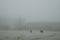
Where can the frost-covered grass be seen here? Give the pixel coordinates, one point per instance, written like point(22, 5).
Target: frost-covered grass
point(26, 35)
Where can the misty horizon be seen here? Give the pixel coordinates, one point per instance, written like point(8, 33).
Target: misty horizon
point(32, 10)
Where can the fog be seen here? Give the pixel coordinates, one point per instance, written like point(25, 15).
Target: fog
point(36, 15)
point(31, 10)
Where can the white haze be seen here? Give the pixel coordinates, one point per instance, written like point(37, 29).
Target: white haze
point(31, 10)
point(29, 19)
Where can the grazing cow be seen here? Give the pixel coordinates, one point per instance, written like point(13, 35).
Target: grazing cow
point(41, 31)
point(30, 31)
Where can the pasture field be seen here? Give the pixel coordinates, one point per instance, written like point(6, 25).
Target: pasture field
point(26, 35)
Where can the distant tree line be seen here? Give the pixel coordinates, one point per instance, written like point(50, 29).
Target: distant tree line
point(4, 24)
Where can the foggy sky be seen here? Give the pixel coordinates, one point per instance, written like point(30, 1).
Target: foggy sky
point(31, 10)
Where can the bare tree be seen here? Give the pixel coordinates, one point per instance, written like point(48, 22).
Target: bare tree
point(20, 24)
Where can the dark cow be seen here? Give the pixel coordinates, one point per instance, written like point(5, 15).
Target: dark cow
point(30, 31)
point(41, 31)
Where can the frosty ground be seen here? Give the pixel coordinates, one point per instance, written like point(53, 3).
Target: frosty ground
point(26, 35)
